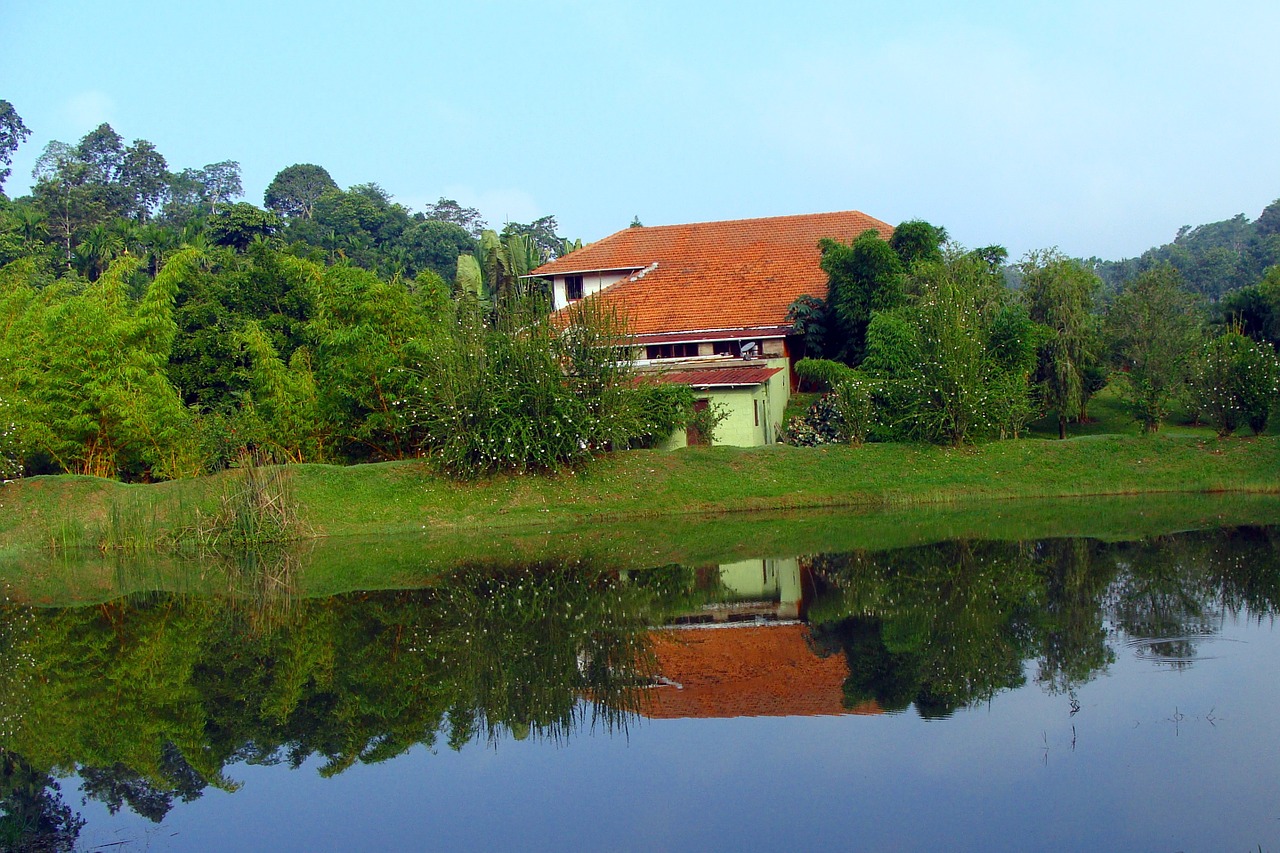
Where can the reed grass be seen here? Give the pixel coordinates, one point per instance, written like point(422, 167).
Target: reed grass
point(254, 507)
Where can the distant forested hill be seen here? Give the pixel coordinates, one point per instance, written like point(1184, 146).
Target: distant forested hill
point(1214, 259)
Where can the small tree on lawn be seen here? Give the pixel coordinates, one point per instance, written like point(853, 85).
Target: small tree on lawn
point(1154, 326)
point(1059, 293)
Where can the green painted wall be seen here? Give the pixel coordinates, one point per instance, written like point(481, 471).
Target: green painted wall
point(745, 405)
point(779, 394)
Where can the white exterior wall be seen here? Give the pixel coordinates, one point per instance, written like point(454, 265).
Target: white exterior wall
point(592, 282)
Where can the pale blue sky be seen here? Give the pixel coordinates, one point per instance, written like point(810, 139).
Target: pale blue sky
point(1099, 127)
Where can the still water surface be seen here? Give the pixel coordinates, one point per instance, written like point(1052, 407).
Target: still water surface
point(1061, 694)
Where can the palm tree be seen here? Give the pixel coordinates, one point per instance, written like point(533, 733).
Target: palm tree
point(504, 263)
point(157, 242)
point(96, 250)
point(130, 234)
point(30, 223)
point(396, 261)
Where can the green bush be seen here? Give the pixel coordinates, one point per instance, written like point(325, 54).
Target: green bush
point(706, 421)
point(663, 408)
point(822, 373)
point(527, 391)
point(843, 416)
point(1236, 382)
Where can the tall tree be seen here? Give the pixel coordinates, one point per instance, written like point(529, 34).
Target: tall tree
point(954, 361)
point(862, 277)
point(146, 175)
point(542, 233)
point(294, 190)
point(12, 134)
point(434, 245)
point(917, 240)
point(64, 194)
point(1154, 326)
point(221, 183)
point(239, 224)
point(448, 210)
point(1060, 294)
point(101, 150)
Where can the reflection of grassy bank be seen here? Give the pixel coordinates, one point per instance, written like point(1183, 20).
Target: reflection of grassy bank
point(403, 497)
point(339, 564)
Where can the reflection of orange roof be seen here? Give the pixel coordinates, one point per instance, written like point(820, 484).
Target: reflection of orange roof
point(741, 274)
point(746, 672)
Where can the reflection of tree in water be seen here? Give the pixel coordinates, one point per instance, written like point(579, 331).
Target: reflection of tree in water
point(1244, 564)
point(150, 698)
point(33, 817)
point(1070, 634)
point(1163, 599)
point(1172, 591)
point(941, 626)
point(950, 625)
point(119, 785)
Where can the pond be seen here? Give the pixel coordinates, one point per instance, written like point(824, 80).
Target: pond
point(1040, 693)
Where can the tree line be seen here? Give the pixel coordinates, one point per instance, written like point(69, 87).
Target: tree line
point(921, 339)
point(99, 198)
point(1213, 259)
point(154, 326)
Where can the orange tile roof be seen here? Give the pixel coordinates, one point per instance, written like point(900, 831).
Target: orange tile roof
point(740, 274)
point(746, 672)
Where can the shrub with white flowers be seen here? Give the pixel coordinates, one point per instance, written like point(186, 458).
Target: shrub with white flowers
point(1236, 382)
point(10, 461)
point(523, 391)
point(844, 416)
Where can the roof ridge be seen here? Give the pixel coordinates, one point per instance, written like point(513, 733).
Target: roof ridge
point(745, 219)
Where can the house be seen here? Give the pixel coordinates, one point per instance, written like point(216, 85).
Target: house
point(706, 305)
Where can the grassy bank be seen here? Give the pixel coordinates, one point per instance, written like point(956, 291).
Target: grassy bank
point(335, 565)
point(406, 497)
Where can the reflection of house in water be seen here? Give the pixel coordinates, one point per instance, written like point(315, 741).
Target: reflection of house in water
point(746, 655)
point(755, 590)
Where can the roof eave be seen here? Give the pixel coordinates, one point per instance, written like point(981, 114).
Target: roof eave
point(543, 272)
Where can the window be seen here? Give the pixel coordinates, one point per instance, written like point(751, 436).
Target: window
point(745, 349)
point(573, 287)
point(755, 406)
point(671, 351)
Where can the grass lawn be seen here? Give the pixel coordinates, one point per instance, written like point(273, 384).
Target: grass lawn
point(1108, 416)
point(406, 496)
